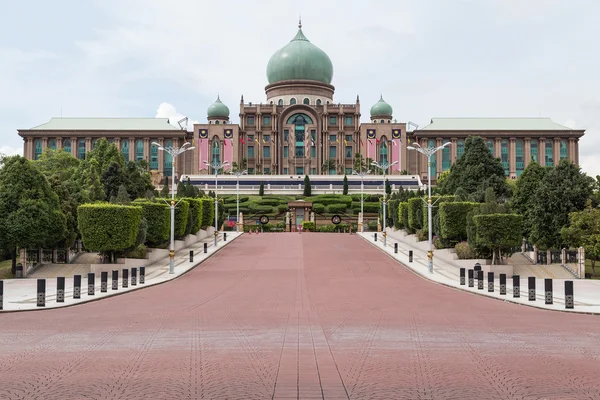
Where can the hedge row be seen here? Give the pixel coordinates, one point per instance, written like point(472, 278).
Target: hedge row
point(415, 213)
point(367, 207)
point(336, 208)
point(403, 215)
point(453, 220)
point(108, 227)
point(195, 215)
point(233, 199)
point(437, 201)
point(372, 198)
point(158, 218)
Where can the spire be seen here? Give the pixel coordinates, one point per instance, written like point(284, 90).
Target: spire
point(242, 100)
point(299, 21)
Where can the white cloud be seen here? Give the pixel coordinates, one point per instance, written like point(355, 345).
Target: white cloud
point(166, 110)
point(11, 151)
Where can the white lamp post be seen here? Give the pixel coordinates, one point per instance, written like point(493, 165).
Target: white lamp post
point(383, 166)
point(174, 152)
point(238, 173)
point(428, 152)
point(362, 174)
point(216, 167)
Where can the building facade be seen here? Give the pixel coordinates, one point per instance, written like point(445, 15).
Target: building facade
point(300, 130)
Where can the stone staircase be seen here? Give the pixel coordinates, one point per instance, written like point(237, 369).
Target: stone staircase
point(81, 266)
point(523, 266)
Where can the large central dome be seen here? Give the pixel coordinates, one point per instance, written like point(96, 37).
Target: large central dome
point(300, 60)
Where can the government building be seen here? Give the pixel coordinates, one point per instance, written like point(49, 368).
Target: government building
point(299, 129)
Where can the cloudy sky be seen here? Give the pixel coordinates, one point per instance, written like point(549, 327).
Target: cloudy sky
point(429, 58)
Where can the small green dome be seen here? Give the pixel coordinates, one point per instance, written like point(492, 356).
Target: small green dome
point(381, 108)
point(218, 110)
point(300, 59)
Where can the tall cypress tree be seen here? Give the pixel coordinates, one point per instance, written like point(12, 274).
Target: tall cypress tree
point(307, 186)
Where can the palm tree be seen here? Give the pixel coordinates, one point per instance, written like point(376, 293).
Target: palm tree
point(328, 165)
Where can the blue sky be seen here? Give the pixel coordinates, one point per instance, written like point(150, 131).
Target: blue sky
point(435, 58)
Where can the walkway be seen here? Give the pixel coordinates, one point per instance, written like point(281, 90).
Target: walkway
point(299, 316)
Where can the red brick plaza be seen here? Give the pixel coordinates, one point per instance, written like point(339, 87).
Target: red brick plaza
point(292, 316)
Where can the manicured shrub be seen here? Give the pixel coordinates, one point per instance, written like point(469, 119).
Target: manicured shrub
point(464, 251)
point(268, 202)
point(318, 208)
point(281, 208)
point(108, 227)
point(182, 210)
point(415, 213)
point(336, 208)
point(233, 199)
point(421, 235)
point(403, 215)
point(372, 225)
point(437, 201)
point(255, 207)
point(498, 233)
point(453, 220)
point(308, 226)
point(367, 207)
point(158, 218)
point(195, 219)
point(208, 212)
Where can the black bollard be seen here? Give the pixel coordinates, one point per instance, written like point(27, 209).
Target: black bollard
point(91, 283)
point(503, 284)
point(569, 295)
point(41, 293)
point(205, 248)
point(548, 290)
point(125, 278)
point(477, 267)
point(191, 255)
point(480, 280)
point(60, 289)
point(142, 275)
point(1, 294)
point(462, 276)
point(103, 281)
point(133, 276)
point(115, 280)
point(516, 286)
point(470, 274)
point(395, 247)
point(410, 256)
point(531, 287)
point(77, 286)
point(224, 236)
point(375, 236)
point(490, 282)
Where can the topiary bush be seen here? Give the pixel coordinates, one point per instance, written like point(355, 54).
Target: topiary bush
point(108, 227)
point(282, 208)
point(415, 213)
point(233, 199)
point(268, 202)
point(453, 220)
point(336, 208)
point(437, 201)
point(464, 251)
point(403, 215)
point(158, 218)
point(367, 207)
point(195, 215)
point(308, 226)
point(208, 212)
point(422, 235)
point(318, 208)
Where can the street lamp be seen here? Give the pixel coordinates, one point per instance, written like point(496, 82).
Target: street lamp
point(174, 152)
point(384, 166)
point(428, 152)
point(216, 167)
point(362, 174)
point(238, 173)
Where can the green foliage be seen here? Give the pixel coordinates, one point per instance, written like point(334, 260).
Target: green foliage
point(388, 187)
point(318, 208)
point(345, 187)
point(208, 212)
point(195, 219)
point(523, 195)
point(123, 196)
point(268, 202)
point(372, 225)
point(307, 186)
point(331, 228)
point(158, 217)
point(475, 171)
point(283, 208)
point(308, 226)
point(109, 227)
point(421, 235)
point(584, 230)
point(182, 210)
point(164, 191)
point(498, 233)
point(453, 219)
point(258, 208)
point(372, 208)
point(327, 199)
point(30, 211)
point(336, 208)
point(261, 189)
point(565, 189)
point(366, 197)
point(415, 213)
point(437, 201)
point(233, 199)
point(403, 215)
point(464, 251)
point(181, 190)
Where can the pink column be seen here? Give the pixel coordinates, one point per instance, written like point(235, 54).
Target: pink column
point(203, 154)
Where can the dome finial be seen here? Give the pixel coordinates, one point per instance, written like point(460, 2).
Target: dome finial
point(299, 21)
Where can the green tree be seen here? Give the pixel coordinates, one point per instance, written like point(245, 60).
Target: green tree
point(261, 189)
point(328, 166)
point(565, 189)
point(388, 187)
point(123, 196)
point(498, 233)
point(475, 171)
point(58, 163)
point(164, 192)
point(137, 179)
point(523, 196)
point(359, 162)
point(584, 230)
point(112, 179)
point(189, 189)
point(345, 188)
point(30, 211)
point(307, 186)
point(181, 192)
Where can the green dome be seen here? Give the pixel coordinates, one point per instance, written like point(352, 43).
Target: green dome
point(218, 110)
point(300, 59)
point(381, 108)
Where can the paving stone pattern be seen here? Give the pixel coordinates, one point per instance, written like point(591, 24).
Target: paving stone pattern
point(290, 316)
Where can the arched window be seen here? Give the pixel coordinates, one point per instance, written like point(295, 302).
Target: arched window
point(549, 153)
point(67, 145)
point(383, 150)
point(490, 145)
point(433, 166)
point(299, 133)
point(125, 149)
point(307, 120)
point(52, 144)
point(217, 122)
point(446, 157)
point(519, 159)
point(38, 149)
point(81, 149)
point(168, 159)
point(139, 150)
point(306, 101)
point(563, 149)
point(460, 148)
point(319, 102)
point(504, 155)
point(533, 150)
point(280, 102)
point(292, 101)
point(382, 121)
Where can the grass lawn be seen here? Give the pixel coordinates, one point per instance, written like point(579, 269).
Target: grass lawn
point(588, 268)
point(5, 269)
